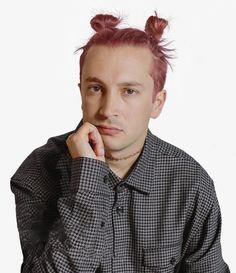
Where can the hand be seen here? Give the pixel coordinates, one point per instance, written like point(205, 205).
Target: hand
point(86, 142)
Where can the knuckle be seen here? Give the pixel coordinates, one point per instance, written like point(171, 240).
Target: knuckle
point(72, 137)
point(86, 123)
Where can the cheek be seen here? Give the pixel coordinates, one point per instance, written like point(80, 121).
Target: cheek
point(143, 109)
point(89, 105)
point(140, 108)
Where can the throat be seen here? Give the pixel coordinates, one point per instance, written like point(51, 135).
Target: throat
point(122, 168)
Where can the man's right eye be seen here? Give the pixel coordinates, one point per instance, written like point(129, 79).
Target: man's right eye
point(94, 88)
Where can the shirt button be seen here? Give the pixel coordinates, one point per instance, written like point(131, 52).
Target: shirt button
point(172, 260)
point(119, 188)
point(102, 224)
point(120, 209)
point(106, 179)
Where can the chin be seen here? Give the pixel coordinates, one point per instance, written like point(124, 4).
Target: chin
point(111, 146)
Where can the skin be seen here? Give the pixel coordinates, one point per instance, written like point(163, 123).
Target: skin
point(111, 102)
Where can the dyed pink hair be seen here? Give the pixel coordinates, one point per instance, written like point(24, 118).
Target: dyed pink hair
point(107, 34)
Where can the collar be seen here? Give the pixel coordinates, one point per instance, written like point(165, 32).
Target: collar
point(141, 176)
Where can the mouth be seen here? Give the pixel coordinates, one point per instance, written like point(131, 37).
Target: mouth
point(108, 127)
point(107, 130)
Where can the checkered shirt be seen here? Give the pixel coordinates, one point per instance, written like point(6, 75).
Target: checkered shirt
point(77, 215)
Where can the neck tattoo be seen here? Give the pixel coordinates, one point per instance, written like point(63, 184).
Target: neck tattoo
point(122, 158)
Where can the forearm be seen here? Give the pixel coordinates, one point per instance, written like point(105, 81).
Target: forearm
point(64, 235)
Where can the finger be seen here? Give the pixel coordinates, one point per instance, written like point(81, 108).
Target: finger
point(96, 139)
point(93, 135)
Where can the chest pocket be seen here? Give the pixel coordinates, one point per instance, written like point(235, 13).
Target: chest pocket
point(162, 259)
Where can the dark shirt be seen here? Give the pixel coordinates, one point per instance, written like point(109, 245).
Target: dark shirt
point(76, 215)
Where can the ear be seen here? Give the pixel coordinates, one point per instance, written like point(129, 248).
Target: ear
point(158, 103)
point(79, 85)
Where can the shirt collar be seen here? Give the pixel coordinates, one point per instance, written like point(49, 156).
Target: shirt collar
point(141, 177)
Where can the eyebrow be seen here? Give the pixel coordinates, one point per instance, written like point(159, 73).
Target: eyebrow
point(131, 83)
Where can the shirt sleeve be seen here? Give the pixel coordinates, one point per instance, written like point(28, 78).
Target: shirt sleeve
point(63, 234)
point(203, 247)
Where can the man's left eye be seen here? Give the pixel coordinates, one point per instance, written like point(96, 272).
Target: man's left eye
point(130, 91)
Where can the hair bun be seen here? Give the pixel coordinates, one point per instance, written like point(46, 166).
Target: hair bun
point(155, 26)
point(104, 21)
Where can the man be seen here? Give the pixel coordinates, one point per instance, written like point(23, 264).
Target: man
point(110, 196)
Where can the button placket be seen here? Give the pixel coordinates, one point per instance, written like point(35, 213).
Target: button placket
point(120, 191)
point(120, 224)
point(104, 205)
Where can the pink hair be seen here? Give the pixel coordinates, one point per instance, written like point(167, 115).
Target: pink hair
point(107, 34)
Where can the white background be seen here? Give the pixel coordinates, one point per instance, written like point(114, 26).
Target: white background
point(40, 98)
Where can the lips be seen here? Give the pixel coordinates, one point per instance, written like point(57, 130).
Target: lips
point(108, 127)
point(107, 130)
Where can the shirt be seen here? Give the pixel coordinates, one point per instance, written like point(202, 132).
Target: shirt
point(76, 215)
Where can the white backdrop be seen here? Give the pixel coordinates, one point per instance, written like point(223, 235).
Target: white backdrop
point(40, 98)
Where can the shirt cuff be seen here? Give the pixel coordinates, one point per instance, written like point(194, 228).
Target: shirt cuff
point(87, 174)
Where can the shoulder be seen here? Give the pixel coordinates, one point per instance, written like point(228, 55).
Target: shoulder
point(171, 151)
point(181, 169)
point(43, 156)
point(181, 177)
point(38, 174)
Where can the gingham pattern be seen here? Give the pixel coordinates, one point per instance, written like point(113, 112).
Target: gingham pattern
point(76, 215)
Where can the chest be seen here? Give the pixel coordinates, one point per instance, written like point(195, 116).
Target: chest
point(145, 231)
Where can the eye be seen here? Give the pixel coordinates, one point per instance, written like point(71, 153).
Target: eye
point(94, 88)
point(130, 91)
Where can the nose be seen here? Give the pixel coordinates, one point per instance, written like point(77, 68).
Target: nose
point(109, 105)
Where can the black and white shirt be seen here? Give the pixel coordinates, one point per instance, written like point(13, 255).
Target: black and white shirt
point(76, 215)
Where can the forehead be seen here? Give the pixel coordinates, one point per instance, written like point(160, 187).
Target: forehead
point(118, 60)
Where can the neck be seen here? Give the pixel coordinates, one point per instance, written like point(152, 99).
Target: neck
point(121, 162)
point(121, 166)
point(122, 158)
